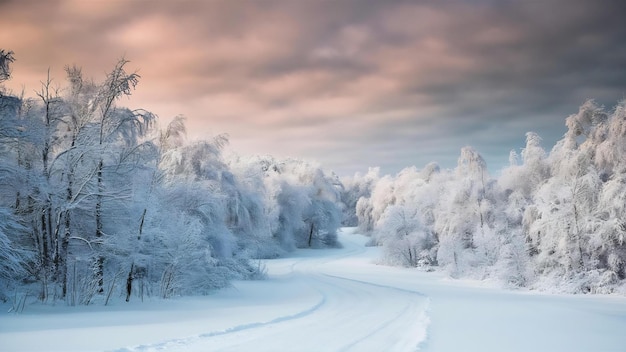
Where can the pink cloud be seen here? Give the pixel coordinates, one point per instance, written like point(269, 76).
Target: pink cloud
point(275, 72)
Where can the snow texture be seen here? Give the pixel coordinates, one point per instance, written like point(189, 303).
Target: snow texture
point(331, 300)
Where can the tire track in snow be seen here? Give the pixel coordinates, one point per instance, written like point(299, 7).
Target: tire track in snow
point(354, 318)
point(419, 340)
point(187, 340)
point(352, 315)
point(410, 317)
point(377, 285)
point(422, 320)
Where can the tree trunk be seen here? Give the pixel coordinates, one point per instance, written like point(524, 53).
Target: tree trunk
point(44, 241)
point(64, 254)
point(99, 227)
point(311, 235)
point(129, 282)
point(143, 217)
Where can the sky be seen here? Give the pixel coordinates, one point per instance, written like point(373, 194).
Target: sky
point(351, 84)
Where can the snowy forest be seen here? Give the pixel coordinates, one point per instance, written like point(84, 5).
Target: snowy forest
point(98, 202)
point(552, 220)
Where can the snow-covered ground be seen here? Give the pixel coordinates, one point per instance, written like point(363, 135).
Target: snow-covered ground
point(331, 300)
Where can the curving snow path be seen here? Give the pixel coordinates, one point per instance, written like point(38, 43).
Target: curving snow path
point(344, 315)
point(332, 300)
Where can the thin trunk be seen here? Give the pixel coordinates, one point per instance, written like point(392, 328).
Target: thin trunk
point(99, 227)
point(99, 202)
point(57, 248)
point(45, 152)
point(20, 166)
point(129, 282)
point(45, 96)
point(44, 242)
point(311, 235)
point(577, 229)
point(64, 253)
point(46, 145)
point(49, 228)
point(143, 217)
point(49, 249)
point(65, 241)
point(36, 236)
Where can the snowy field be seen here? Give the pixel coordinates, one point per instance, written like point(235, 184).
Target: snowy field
point(331, 300)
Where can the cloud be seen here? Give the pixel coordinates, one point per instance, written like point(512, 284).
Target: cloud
point(350, 83)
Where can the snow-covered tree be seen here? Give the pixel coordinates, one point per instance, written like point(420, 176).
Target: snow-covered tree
point(354, 188)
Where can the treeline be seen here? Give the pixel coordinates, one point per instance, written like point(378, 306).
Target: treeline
point(97, 202)
point(552, 220)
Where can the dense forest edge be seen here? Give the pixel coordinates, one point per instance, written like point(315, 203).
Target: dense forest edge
point(553, 221)
point(98, 203)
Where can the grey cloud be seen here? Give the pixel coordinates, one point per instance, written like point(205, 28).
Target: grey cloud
point(352, 83)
